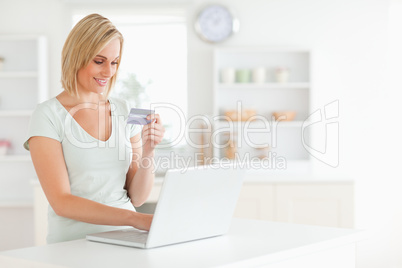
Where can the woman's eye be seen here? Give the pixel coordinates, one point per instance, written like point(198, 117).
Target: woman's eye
point(115, 63)
point(98, 62)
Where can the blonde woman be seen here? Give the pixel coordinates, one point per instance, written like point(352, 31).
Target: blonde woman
point(93, 167)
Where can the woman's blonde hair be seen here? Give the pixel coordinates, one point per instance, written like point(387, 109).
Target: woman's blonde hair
point(88, 37)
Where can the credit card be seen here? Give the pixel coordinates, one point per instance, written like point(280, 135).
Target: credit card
point(138, 116)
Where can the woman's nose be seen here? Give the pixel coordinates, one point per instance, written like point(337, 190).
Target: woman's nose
point(108, 70)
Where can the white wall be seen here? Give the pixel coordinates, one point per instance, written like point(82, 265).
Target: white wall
point(353, 63)
point(350, 44)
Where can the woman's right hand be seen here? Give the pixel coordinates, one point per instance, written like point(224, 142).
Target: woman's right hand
point(142, 221)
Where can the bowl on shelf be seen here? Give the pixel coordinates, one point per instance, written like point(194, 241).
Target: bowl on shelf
point(245, 114)
point(262, 151)
point(284, 115)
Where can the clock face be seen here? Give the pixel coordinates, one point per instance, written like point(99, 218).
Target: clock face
point(216, 23)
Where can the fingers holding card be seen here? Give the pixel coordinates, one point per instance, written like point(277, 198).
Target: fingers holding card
point(139, 116)
point(153, 130)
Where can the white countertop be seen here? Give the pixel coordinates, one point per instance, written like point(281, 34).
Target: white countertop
point(278, 179)
point(248, 243)
point(258, 178)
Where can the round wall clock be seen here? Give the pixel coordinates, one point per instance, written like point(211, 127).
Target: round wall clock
point(215, 23)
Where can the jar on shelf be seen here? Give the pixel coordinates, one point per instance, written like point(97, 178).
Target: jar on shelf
point(228, 75)
point(259, 75)
point(281, 74)
point(4, 146)
point(230, 149)
point(243, 76)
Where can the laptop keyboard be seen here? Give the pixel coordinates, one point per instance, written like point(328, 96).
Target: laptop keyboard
point(131, 235)
point(140, 237)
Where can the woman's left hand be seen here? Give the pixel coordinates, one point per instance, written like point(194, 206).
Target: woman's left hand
point(152, 134)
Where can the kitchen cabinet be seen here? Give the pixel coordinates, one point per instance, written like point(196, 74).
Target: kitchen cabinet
point(309, 202)
point(304, 201)
point(255, 202)
point(325, 204)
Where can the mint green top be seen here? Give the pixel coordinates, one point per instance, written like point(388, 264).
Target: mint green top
point(96, 169)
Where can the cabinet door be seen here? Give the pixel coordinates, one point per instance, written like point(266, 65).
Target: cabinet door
point(316, 204)
point(256, 201)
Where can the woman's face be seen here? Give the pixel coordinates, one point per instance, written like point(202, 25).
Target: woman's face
point(96, 75)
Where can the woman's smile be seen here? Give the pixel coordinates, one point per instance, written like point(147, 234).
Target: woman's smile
point(101, 82)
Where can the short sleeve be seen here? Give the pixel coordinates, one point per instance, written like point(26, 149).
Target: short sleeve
point(42, 123)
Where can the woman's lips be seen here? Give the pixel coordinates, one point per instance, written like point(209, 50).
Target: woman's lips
point(101, 82)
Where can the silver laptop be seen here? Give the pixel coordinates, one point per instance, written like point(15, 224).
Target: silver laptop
point(193, 204)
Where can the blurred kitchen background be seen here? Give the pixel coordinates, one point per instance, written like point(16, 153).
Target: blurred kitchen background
point(338, 61)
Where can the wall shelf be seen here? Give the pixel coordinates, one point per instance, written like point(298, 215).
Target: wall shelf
point(246, 86)
point(262, 96)
point(18, 74)
point(23, 84)
point(259, 123)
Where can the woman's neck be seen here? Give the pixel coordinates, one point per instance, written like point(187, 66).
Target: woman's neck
point(71, 100)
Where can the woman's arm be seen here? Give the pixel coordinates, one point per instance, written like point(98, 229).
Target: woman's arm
point(48, 159)
point(140, 176)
